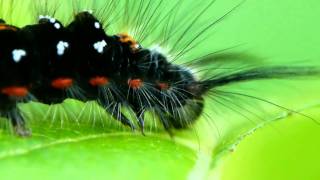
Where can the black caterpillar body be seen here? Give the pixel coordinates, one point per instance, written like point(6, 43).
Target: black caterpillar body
point(49, 63)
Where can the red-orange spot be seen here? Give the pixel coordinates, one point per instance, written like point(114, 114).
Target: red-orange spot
point(125, 38)
point(7, 27)
point(62, 83)
point(163, 86)
point(99, 81)
point(135, 83)
point(16, 91)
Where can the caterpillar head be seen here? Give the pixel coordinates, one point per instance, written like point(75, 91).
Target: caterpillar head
point(148, 64)
point(182, 103)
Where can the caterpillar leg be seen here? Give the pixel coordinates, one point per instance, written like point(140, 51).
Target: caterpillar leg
point(181, 117)
point(118, 115)
point(140, 117)
point(18, 123)
point(190, 111)
point(124, 120)
point(164, 119)
point(112, 104)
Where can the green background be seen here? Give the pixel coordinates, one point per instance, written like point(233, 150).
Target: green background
point(282, 31)
point(222, 144)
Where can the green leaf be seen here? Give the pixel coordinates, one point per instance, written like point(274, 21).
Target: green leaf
point(99, 156)
point(88, 151)
point(286, 149)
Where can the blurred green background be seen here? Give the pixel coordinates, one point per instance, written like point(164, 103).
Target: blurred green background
point(221, 145)
point(286, 32)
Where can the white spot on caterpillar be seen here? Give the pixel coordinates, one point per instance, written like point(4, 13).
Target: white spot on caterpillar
point(51, 19)
point(44, 17)
point(17, 54)
point(57, 25)
point(61, 47)
point(97, 25)
point(137, 46)
point(88, 11)
point(99, 46)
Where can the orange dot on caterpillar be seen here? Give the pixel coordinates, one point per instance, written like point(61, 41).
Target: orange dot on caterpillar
point(99, 81)
point(62, 83)
point(163, 86)
point(125, 38)
point(15, 91)
point(7, 27)
point(135, 83)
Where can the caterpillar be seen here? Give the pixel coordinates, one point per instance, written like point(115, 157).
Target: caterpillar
point(49, 62)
